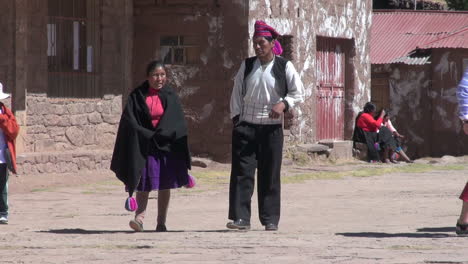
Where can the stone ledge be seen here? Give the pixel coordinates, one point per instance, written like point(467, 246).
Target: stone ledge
point(63, 162)
point(74, 161)
point(329, 150)
point(340, 149)
point(312, 148)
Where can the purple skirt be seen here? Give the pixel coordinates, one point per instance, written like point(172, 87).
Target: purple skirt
point(163, 171)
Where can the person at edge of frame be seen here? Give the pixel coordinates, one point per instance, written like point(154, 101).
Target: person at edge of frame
point(462, 95)
point(9, 130)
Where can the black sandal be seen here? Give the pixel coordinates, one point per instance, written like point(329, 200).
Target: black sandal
point(462, 229)
point(161, 228)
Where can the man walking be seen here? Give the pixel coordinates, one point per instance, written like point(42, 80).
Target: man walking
point(265, 87)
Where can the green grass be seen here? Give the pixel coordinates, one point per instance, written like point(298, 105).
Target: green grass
point(211, 177)
point(302, 177)
point(42, 190)
point(367, 172)
point(67, 216)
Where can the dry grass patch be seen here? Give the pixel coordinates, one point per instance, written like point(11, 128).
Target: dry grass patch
point(367, 172)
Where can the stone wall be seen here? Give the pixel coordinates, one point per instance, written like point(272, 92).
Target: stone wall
point(63, 162)
point(69, 135)
point(68, 124)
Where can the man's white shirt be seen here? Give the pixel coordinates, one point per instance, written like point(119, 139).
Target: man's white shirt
point(262, 92)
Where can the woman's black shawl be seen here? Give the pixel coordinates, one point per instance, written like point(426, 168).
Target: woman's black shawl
point(137, 138)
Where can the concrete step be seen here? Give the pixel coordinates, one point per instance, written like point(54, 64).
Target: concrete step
point(328, 150)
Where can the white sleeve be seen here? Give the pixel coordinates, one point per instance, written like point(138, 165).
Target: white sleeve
point(390, 126)
point(462, 95)
point(295, 87)
point(236, 95)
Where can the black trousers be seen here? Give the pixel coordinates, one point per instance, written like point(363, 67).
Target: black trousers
point(3, 190)
point(256, 147)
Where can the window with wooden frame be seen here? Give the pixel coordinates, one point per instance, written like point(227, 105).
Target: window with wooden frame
point(179, 50)
point(73, 48)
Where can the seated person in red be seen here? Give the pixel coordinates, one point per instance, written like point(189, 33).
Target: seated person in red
point(366, 130)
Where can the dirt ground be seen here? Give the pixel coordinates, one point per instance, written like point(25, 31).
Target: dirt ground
point(331, 213)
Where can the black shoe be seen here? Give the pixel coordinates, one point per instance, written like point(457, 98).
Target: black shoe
point(161, 228)
point(239, 224)
point(271, 227)
point(461, 229)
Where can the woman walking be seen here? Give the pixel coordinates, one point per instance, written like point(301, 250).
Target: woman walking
point(151, 150)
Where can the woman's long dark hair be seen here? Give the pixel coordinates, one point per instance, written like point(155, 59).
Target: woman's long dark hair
point(154, 65)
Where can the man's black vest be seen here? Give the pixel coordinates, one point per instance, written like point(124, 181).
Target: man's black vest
point(279, 72)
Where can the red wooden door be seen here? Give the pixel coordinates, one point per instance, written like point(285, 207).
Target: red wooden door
point(330, 89)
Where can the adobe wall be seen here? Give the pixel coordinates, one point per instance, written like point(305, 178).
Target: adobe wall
point(204, 88)
point(410, 105)
point(424, 105)
point(7, 28)
point(447, 69)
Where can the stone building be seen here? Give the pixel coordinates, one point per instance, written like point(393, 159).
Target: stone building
point(418, 58)
point(71, 63)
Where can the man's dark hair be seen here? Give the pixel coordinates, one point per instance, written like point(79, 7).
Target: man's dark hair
point(369, 107)
point(270, 39)
point(154, 65)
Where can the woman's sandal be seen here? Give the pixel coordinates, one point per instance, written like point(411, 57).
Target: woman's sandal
point(462, 229)
point(135, 225)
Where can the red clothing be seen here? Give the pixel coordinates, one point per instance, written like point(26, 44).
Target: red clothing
point(367, 122)
point(464, 194)
point(10, 129)
point(155, 106)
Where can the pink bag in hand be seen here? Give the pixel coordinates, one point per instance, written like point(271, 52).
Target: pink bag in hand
point(191, 182)
point(131, 204)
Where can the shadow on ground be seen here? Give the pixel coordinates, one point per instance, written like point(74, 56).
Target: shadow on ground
point(425, 232)
point(93, 232)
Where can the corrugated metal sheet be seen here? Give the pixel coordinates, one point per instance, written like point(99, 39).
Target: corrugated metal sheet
point(412, 61)
point(456, 40)
point(417, 57)
point(396, 33)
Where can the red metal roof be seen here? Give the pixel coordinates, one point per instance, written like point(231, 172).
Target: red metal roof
point(458, 39)
point(394, 33)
